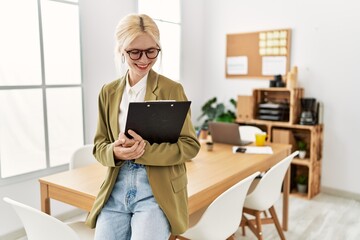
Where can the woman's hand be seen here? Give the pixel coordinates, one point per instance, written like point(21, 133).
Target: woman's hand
point(129, 149)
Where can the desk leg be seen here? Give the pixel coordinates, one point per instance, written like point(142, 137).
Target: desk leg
point(286, 192)
point(44, 198)
point(172, 237)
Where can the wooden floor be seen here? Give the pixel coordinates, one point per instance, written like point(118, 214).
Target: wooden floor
point(323, 217)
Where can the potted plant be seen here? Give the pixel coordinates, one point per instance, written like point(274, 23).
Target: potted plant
point(301, 183)
point(302, 146)
point(214, 111)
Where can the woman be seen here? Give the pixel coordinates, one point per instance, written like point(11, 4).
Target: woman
point(144, 195)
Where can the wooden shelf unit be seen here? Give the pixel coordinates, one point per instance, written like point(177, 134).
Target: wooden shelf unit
point(292, 132)
point(279, 96)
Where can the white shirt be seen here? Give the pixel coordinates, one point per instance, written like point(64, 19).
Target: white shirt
point(135, 93)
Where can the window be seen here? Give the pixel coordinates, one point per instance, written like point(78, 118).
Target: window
point(166, 14)
point(40, 85)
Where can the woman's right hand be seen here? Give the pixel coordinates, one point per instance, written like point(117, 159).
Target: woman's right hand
point(129, 149)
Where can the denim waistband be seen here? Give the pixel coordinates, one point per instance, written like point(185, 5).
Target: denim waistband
point(133, 165)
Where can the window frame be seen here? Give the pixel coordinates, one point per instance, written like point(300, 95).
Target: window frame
point(4, 181)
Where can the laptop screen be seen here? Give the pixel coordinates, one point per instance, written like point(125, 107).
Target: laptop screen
point(228, 133)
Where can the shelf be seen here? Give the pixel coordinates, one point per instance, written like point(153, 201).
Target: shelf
point(302, 162)
point(274, 89)
point(300, 195)
point(279, 97)
point(276, 124)
point(289, 132)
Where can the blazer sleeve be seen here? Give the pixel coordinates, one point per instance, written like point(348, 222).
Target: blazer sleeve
point(103, 141)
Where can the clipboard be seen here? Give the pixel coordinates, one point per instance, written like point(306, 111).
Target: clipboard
point(157, 121)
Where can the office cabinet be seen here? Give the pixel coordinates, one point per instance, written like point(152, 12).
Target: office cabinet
point(290, 132)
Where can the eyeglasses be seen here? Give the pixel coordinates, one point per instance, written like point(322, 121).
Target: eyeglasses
point(136, 54)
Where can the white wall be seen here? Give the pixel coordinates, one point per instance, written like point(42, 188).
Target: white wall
point(326, 49)
point(192, 53)
point(98, 23)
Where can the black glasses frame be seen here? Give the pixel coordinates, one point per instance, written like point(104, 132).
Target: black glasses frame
point(146, 51)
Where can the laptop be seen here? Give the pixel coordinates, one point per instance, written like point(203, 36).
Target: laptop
point(228, 133)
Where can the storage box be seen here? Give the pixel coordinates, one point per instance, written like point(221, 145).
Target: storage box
point(284, 136)
point(244, 108)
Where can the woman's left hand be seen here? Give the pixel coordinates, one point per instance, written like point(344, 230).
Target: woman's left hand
point(127, 149)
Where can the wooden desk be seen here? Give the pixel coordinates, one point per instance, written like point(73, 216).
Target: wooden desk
point(209, 174)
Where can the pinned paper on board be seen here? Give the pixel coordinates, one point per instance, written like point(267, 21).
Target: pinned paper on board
point(237, 65)
point(274, 65)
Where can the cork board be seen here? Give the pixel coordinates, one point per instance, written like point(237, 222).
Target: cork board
point(261, 54)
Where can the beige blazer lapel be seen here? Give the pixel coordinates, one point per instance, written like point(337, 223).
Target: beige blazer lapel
point(151, 86)
point(114, 105)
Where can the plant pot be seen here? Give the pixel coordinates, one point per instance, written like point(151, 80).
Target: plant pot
point(301, 188)
point(209, 146)
point(302, 154)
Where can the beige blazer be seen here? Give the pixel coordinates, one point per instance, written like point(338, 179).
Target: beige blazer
point(165, 162)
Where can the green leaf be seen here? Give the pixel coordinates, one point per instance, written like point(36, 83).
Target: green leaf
point(217, 112)
point(301, 179)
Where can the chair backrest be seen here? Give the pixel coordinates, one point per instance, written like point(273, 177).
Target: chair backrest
point(41, 226)
point(82, 157)
point(247, 133)
point(268, 189)
point(222, 218)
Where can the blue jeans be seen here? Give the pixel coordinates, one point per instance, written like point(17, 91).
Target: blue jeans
point(131, 211)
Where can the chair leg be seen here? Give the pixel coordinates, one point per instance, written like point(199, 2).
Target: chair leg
point(179, 238)
point(243, 230)
point(243, 223)
point(253, 224)
point(231, 237)
point(276, 222)
point(258, 225)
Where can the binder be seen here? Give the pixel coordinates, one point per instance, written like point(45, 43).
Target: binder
point(157, 121)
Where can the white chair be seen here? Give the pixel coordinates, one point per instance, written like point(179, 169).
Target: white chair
point(263, 196)
point(82, 157)
point(41, 226)
point(222, 217)
point(247, 133)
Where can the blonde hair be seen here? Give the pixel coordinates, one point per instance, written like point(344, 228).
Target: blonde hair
point(132, 26)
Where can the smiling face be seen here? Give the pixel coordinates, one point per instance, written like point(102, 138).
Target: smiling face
point(139, 68)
